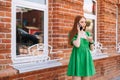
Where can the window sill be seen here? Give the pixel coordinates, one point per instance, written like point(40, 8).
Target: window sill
point(99, 56)
point(27, 67)
point(109, 57)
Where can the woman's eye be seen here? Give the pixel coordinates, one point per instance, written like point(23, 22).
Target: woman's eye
point(82, 22)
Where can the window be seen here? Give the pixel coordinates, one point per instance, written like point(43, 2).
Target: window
point(30, 36)
point(90, 13)
point(29, 27)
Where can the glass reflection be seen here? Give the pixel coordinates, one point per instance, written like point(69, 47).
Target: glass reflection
point(89, 6)
point(29, 29)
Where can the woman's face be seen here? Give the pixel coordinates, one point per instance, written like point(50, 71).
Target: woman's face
point(83, 22)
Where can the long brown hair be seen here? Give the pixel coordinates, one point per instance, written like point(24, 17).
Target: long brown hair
point(74, 30)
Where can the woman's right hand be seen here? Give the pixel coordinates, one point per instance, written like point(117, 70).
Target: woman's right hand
point(79, 31)
point(90, 39)
point(78, 28)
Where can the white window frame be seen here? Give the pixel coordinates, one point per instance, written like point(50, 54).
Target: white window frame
point(32, 5)
point(94, 17)
point(95, 54)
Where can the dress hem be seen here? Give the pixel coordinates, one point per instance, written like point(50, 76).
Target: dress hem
point(81, 75)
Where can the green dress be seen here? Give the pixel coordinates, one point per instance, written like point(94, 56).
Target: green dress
point(81, 62)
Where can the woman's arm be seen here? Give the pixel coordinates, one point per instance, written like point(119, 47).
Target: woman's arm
point(90, 39)
point(76, 42)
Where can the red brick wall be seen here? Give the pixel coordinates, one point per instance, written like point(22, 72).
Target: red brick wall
point(107, 69)
point(61, 17)
point(5, 33)
point(107, 23)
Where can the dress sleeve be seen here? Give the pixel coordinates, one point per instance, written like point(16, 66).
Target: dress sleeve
point(88, 34)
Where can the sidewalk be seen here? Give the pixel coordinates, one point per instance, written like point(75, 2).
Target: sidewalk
point(117, 78)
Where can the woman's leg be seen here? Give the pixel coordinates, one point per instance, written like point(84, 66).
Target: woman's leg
point(76, 78)
point(85, 78)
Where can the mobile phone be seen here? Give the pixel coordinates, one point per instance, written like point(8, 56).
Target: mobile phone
point(80, 26)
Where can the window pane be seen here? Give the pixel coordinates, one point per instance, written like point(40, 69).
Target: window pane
point(38, 1)
point(90, 26)
point(29, 29)
point(89, 6)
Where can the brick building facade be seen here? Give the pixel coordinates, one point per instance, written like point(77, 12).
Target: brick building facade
point(61, 14)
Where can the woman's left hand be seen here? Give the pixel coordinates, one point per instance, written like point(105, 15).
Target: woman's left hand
point(89, 38)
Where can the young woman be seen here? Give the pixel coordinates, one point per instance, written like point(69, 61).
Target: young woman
point(81, 65)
